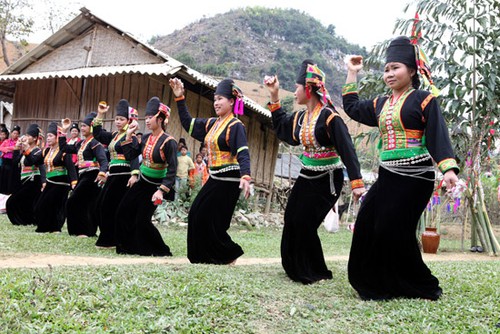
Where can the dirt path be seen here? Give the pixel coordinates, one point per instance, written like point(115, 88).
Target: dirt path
point(17, 260)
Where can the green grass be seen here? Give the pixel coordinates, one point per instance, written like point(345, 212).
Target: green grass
point(264, 242)
point(242, 299)
point(187, 298)
point(255, 243)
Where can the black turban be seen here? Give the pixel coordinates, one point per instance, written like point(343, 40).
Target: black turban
point(401, 50)
point(52, 128)
point(301, 75)
point(89, 118)
point(122, 108)
point(33, 130)
point(225, 88)
point(74, 126)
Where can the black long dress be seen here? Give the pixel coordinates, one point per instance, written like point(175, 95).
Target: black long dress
point(80, 207)
point(136, 233)
point(327, 147)
point(116, 184)
point(385, 260)
point(50, 209)
point(210, 214)
point(32, 174)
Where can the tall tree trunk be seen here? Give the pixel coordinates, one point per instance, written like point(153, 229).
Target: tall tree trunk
point(3, 41)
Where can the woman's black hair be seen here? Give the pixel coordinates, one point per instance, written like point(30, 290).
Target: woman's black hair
point(415, 81)
point(162, 117)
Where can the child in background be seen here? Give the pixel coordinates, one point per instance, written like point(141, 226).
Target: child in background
point(184, 166)
point(200, 171)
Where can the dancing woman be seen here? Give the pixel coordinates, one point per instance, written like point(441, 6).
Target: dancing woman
point(385, 260)
point(28, 156)
point(327, 148)
point(119, 177)
point(136, 233)
point(50, 209)
point(92, 167)
point(229, 163)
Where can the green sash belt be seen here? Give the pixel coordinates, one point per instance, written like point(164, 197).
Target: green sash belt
point(403, 153)
point(119, 162)
point(29, 174)
point(55, 173)
point(319, 162)
point(153, 173)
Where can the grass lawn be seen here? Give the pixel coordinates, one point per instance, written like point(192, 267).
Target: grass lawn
point(185, 298)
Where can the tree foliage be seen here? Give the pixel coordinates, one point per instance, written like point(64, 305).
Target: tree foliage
point(55, 14)
point(463, 40)
point(13, 23)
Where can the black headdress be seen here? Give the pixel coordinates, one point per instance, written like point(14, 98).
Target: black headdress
point(52, 128)
point(89, 118)
point(154, 107)
point(230, 90)
point(122, 108)
point(401, 50)
point(33, 130)
point(225, 88)
point(301, 75)
point(74, 126)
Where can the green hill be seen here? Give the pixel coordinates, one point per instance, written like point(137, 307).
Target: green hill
point(247, 44)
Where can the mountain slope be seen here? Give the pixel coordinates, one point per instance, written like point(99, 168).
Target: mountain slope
point(249, 43)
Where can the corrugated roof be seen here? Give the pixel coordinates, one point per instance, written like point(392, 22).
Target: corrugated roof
point(82, 23)
point(150, 69)
point(74, 28)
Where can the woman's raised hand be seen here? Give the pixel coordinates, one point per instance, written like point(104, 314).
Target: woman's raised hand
point(65, 124)
point(355, 63)
point(272, 83)
point(177, 86)
point(132, 127)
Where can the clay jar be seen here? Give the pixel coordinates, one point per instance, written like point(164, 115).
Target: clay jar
point(430, 240)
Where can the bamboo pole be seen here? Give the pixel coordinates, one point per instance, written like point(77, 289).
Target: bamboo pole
point(495, 246)
point(464, 222)
point(486, 225)
point(480, 235)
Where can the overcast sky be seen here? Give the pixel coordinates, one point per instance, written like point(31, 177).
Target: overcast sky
point(363, 22)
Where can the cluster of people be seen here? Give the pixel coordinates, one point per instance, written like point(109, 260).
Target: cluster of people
point(190, 172)
point(117, 195)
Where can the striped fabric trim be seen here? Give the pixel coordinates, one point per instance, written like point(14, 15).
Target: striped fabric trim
point(242, 148)
point(375, 104)
point(426, 101)
point(447, 164)
point(358, 183)
point(274, 106)
point(350, 88)
point(294, 125)
point(329, 119)
point(191, 126)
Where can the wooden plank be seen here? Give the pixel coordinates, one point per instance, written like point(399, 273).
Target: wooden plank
point(134, 91)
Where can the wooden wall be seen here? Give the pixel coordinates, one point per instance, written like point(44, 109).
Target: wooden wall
point(43, 101)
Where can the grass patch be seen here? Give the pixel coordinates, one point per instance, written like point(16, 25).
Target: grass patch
point(244, 299)
point(185, 298)
point(255, 243)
